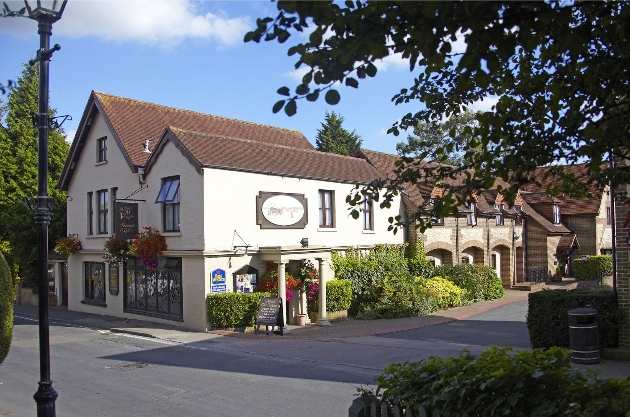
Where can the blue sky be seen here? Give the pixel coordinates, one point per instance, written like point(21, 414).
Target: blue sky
point(191, 55)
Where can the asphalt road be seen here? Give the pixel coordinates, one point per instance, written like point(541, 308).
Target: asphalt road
point(101, 374)
point(503, 326)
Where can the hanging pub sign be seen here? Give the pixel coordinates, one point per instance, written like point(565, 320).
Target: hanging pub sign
point(218, 283)
point(125, 220)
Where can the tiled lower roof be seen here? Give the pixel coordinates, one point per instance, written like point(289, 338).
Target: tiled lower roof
point(216, 151)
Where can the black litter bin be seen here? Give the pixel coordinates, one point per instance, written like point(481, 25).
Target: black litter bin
point(583, 336)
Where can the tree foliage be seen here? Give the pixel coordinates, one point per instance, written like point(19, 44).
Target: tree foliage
point(451, 135)
point(6, 308)
point(333, 138)
point(557, 70)
point(18, 174)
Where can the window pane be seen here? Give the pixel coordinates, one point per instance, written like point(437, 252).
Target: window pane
point(170, 195)
point(163, 190)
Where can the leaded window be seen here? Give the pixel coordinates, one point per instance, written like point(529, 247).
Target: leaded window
point(368, 221)
point(156, 292)
point(94, 273)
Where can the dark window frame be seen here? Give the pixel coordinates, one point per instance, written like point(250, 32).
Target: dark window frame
point(91, 293)
point(169, 197)
point(90, 213)
point(101, 150)
point(103, 211)
point(147, 282)
point(499, 217)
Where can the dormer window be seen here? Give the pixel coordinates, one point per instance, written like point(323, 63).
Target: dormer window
point(437, 205)
point(499, 217)
point(169, 197)
point(556, 214)
point(101, 150)
point(471, 218)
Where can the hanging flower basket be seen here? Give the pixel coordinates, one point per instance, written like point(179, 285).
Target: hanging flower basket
point(116, 250)
point(67, 246)
point(148, 246)
point(268, 282)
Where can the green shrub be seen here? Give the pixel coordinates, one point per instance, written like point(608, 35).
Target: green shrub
point(6, 308)
point(480, 281)
point(445, 293)
point(548, 318)
point(417, 262)
point(233, 310)
point(400, 296)
point(500, 382)
point(338, 296)
point(592, 268)
point(367, 271)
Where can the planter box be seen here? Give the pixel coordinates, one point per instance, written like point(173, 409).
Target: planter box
point(330, 316)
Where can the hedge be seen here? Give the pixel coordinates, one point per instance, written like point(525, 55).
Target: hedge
point(6, 308)
point(338, 296)
point(592, 268)
point(233, 310)
point(548, 318)
point(500, 382)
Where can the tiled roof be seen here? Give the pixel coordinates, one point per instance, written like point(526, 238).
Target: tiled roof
point(134, 121)
point(216, 151)
point(588, 205)
point(551, 227)
point(386, 163)
point(567, 242)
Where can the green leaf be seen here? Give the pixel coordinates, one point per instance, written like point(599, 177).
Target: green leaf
point(313, 96)
point(351, 82)
point(332, 97)
point(284, 91)
point(291, 108)
point(278, 106)
point(302, 89)
point(370, 70)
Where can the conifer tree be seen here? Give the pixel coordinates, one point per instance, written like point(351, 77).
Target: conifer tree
point(18, 171)
point(333, 138)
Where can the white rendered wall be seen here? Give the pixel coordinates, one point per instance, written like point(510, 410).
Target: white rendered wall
point(230, 204)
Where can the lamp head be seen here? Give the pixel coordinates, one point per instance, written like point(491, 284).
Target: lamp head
point(304, 242)
point(47, 10)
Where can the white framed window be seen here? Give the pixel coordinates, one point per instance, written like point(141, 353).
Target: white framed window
point(556, 214)
point(471, 218)
point(499, 217)
point(326, 208)
point(368, 220)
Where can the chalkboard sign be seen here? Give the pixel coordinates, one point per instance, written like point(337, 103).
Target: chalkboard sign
point(270, 314)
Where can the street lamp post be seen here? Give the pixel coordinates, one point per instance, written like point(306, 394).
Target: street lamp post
point(46, 14)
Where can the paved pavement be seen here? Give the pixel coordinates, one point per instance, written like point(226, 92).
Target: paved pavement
point(356, 330)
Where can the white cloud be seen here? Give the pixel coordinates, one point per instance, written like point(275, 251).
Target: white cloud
point(298, 74)
point(168, 22)
point(70, 135)
point(395, 62)
point(484, 104)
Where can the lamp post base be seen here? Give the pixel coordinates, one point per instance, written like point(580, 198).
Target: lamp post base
point(45, 398)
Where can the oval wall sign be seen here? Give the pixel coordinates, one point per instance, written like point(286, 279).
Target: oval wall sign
point(282, 210)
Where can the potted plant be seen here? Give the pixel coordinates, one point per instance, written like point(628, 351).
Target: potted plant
point(116, 250)
point(67, 246)
point(148, 245)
